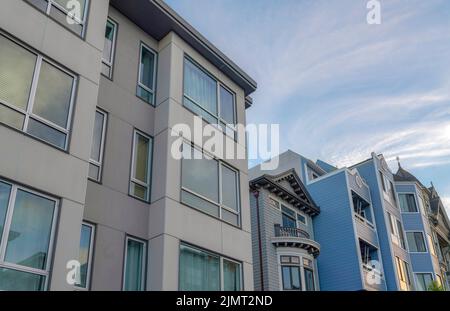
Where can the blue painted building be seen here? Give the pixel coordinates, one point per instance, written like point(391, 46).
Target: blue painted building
point(427, 237)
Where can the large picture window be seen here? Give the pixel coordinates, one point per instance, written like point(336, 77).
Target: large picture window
point(147, 75)
point(210, 185)
point(64, 11)
point(27, 223)
point(208, 98)
point(408, 203)
point(36, 95)
point(204, 271)
point(141, 166)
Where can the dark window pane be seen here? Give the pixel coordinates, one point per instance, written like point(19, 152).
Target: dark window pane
point(309, 279)
point(231, 276)
point(47, 133)
point(227, 106)
point(229, 188)
point(13, 280)
point(147, 68)
point(145, 95)
point(84, 254)
point(286, 275)
point(295, 275)
point(142, 158)
point(135, 266)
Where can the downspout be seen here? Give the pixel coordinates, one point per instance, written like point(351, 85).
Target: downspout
point(261, 272)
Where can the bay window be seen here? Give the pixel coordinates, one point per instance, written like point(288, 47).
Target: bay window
point(408, 203)
point(36, 96)
point(297, 273)
point(108, 49)
point(141, 166)
point(98, 146)
point(147, 75)
point(135, 265)
point(210, 185)
point(208, 98)
point(27, 223)
point(71, 15)
point(205, 271)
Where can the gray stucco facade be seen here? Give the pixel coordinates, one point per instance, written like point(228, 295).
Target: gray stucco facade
point(163, 223)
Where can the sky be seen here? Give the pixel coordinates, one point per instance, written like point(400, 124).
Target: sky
point(341, 88)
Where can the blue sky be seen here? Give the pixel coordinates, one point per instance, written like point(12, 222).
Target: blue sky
point(338, 87)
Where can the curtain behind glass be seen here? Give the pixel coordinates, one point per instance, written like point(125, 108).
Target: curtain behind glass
point(199, 271)
point(231, 276)
point(200, 87)
point(29, 235)
point(134, 266)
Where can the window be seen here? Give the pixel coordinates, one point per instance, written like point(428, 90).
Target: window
point(135, 265)
point(400, 234)
point(383, 184)
point(108, 49)
point(407, 203)
point(210, 185)
point(98, 146)
point(208, 98)
point(27, 226)
point(424, 280)
point(85, 254)
point(147, 75)
point(66, 13)
point(416, 242)
point(361, 208)
point(291, 218)
point(431, 245)
point(296, 271)
point(141, 166)
point(204, 271)
point(403, 274)
point(36, 96)
point(397, 234)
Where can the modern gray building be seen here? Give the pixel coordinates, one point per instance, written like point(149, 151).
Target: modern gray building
point(90, 96)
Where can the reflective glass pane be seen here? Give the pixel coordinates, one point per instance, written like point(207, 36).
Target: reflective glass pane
point(5, 191)
point(31, 227)
point(201, 175)
point(309, 279)
point(201, 204)
point(61, 17)
point(13, 280)
point(53, 95)
point(139, 191)
point(147, 68)
point(68, 6)
point(11, 117)
point(227, 106)
point(141, 158)
point(97, 137)
point(40, 4)
point(423, 281)
point(45, 132)
point(16, 73)
point(199, 271)
point(145, 95)
point(200, 87)
point(231, 276)
point(199, 111)
point(135, 265)
point(84, 254)
point(230, 196)
point(106, 70)
point(94, 171)
point(295, 275)
point(286, 275)
point(230, 217)
point(109, 41)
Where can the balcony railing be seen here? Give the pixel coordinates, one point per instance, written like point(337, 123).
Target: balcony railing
point(290, 232)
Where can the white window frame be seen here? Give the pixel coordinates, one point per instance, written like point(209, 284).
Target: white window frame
point(415, 199)
point(28, 113)
point(142, 46)
point(99, 164)
point(301, 268)
point(144, 262)
point(150, 167)
point(424, 241)
point(219, 84)
point(362, 219)
point(395, 235)
point(91, 251)
point(7, 225)
point(110, 63)
point(281, 203)
point(220, 203)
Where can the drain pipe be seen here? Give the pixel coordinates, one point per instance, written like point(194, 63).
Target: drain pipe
point(261, 271)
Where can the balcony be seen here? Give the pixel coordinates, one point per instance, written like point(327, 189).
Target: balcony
point(295, 237)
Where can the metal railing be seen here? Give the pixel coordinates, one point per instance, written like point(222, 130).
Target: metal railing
point(290, 232)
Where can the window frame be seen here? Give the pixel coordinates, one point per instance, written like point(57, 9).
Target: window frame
point(142, 46)
point(423, 239)
point(90, 257)
point(110, 64)
point(133, 179)
point(302, 267)
point(396, 236)
point(280, 208)
point(423, 273)
point(28, 112)
point(219, 84)
point(415, 201)
point(53, 4)
point(213, 254)
point(144, 262)
point(219, 204)
point(102, 147)
point(46, 273)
